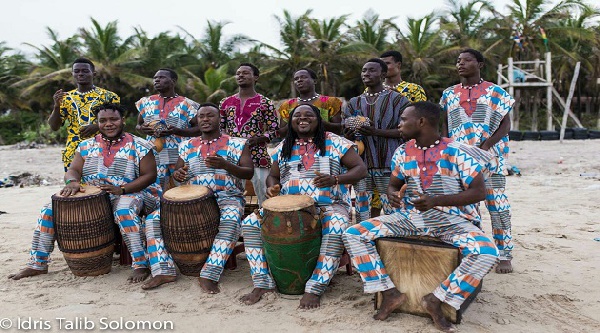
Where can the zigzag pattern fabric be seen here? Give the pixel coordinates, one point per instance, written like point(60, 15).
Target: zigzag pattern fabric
point(228, 190)
point(454, 172)
point(473, 116)
point(377, 181)
point(126, 209)
point(124, 169)
point(176, 112)
point(334, 222)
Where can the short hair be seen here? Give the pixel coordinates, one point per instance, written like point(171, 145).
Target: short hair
point(110, 106)
point(255, 69)
point(84, 61)
point(474, 53)
point(381, 63)
point(172, 73)
point(428, 110)
point(208, 104)
point(312, 73)
point(394, 54)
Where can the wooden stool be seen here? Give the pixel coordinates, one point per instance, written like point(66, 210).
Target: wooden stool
point(417, 265)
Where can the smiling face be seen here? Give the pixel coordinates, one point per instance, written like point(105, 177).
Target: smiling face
point(303, 81)
point(209, 119)
point(372, 74)
point(83, 74)
point(110, 123)
point(467, 65)
point(163, 81)
point(304, 121)
point(245, 77)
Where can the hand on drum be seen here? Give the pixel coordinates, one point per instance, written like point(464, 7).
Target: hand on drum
point(181, 174)
point(215, 161)
point(112, 189)
point(424, 202)
point(71, 189)
point(396, 198)
point(273, 191)
point(349, 133)
point(323, 180)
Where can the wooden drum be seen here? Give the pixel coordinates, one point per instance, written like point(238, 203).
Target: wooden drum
point(291, 234)
point(85, 230)
point(189, 220)
point(417, 265)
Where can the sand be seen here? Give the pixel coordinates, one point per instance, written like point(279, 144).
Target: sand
point(555, 286)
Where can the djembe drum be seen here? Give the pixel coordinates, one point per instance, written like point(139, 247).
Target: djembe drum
point(417, 265)
point(85, 231)
point(291, 234)
point(189, 220)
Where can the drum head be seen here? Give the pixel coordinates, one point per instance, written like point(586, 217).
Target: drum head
point(186, 192)
point(286, 203)
point(89, 191)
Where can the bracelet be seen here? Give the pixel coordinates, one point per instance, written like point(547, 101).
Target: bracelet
point(337, 180)
point(68, 181)
point(122, 189)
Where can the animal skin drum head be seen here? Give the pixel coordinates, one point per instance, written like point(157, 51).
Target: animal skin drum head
point(186, 192)
point(89, 190)
point(286, 203)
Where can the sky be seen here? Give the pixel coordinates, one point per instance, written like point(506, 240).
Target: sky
point(25, 21)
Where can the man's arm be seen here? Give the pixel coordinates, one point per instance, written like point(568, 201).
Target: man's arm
point(473, 194)
point(502, 131)
point(55, 119)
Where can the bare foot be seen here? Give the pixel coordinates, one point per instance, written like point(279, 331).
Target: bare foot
point(209, 286)
point(138, 275)
point(158, 281)
point(504, 267)
point(310, 301)
point(391, 300)
point(255, 295)
point(434, 306)
point(27, 272)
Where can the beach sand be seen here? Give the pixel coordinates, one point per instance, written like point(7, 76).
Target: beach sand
point(554, 288)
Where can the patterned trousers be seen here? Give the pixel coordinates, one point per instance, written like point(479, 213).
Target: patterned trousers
point(334, 222)
point(376, 180)
point(498, 206)
point(224, 243)
point(479, 254)
point(164, 172)
point(135, 231)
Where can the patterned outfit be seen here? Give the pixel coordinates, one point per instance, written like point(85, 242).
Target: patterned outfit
point(446, 169)
point(75, 108)
point(385, 113)
point(176, 111)
point(256, 118)
point(228, 190)
point(474, 114)
point(117, 165)
point(333, 203)
point(329, 106)
point(412, 91)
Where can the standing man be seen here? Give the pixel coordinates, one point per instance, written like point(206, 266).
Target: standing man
point(381, 138)
point(393, 79)
point(305, 80)
point(306, 151)
point(76, 105)
point(251, 115)
point(477, 114)
point(435, 184)
point(219, 162)
point(167, 119)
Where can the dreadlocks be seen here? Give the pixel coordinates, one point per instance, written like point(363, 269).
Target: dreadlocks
point(291, 136)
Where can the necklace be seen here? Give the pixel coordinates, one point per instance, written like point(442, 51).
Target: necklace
point(86, 92)
point(373, 94)
point(473, 86)
point(111, 142)
point(303, 143)
point(208, 143)
point(169, 97)
point(437, 142)
point(308, 99)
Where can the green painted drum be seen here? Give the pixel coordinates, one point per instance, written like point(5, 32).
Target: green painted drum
point(291, 234)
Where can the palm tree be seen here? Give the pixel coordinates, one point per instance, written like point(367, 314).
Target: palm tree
point(465, 25)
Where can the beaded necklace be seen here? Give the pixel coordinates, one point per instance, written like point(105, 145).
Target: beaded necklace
point(437, 142)
point(470, 89)
point(308, 156)
point(306, 100)
point(208, 144)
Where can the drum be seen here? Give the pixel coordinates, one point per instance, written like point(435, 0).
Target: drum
point(417, 265)
point(85, 230)
point(291, 234)
point(189, 220)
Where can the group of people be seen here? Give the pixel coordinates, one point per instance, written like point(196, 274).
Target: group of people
point(425, 181)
